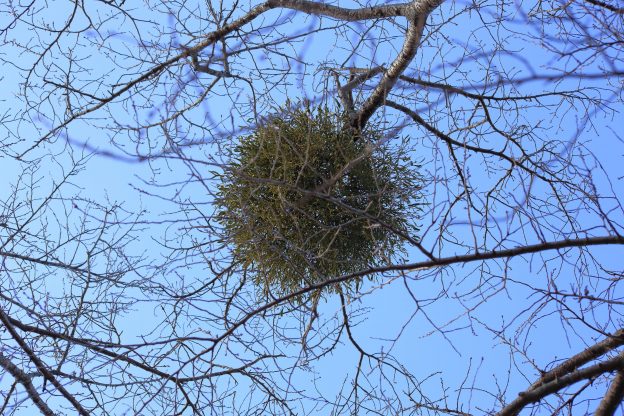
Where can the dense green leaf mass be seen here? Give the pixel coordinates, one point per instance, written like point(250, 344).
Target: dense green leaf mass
point(304, 201)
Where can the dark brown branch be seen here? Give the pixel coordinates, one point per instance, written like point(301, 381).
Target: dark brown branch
point(532, 396)
point(49, 263)
point(90, 345)
point(41, 367)
point(439, 262)
point(582, 358)
point(616, 10)
point(450, 141)
point(24, 380)
point(480, 97)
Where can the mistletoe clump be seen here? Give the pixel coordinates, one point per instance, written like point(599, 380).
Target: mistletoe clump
point(306, 200)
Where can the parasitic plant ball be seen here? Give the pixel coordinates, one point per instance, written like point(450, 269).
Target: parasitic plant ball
point(305, 200)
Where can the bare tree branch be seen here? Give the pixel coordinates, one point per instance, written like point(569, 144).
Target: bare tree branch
point(25, 381)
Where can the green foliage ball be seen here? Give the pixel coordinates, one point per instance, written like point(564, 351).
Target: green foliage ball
point(305, 200)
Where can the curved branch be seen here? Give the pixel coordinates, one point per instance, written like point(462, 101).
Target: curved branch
point(532, 396)
point(436, 262)
point(614, 341)
point(24, 380)
point(613, 398)
point(417, 14)
point(444, 137)
point(4, 318)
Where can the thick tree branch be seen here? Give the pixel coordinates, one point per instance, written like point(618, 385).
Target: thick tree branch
point(535, 395)
point(24, 380)
point(341, 13)
point(582, 358)
point(4, 318)
point(436, 262)
point(417, 14)
point(613, 398)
